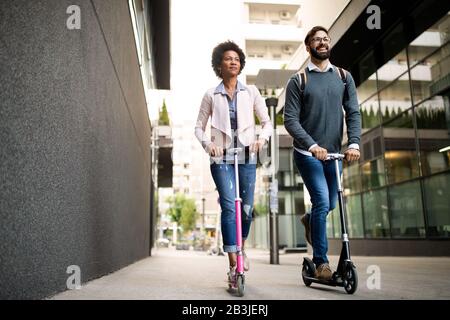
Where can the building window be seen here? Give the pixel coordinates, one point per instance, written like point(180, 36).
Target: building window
point(395, 98)
point(281, 203)
point(299, 205)
point(400, 148)
point(429, 41)
point(336, 223)
point(433, 131)
point(354, 216)
point(330, 223)
point(406, 211)
point(392, 70)
point(431, 75)
point(367, 88)
point(376, 214)
point(373, 174)
point(437, 203)
point(370, 112)
point(352, 178)
point(401, 165)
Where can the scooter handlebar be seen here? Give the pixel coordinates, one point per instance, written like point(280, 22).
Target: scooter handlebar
point(335, 156)
point(232, 150)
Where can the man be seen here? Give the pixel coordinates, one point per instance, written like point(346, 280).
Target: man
point(313, 116)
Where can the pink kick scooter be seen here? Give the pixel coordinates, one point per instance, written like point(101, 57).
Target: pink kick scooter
point(240, 277)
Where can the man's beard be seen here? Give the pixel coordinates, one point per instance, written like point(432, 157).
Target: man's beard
point(320, 55)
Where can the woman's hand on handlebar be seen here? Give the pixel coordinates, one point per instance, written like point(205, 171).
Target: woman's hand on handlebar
point(257, 146)
point(214, 151)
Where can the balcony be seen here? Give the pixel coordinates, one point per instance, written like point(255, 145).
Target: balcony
point(275, 32)
point(253, 65)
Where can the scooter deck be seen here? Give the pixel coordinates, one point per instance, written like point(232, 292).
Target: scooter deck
point(332, 282)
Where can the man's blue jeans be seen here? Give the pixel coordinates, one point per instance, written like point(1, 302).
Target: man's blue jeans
point(320, 180)
point(223, 176)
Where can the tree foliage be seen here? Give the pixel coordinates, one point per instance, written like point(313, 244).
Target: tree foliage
point(183, 211)
point(164, 115)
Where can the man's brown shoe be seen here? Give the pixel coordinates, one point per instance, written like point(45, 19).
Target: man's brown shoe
point(323, 272)
point(305, 221)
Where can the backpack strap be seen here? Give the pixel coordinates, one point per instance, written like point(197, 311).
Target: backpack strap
point(303, 79)
point(342, 74)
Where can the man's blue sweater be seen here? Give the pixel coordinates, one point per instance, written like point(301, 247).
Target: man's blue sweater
point(318, 116)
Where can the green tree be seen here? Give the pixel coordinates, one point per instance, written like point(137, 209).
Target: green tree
point(371, 118)
point(164, 115)
point(364, 117)
point(189, 215)
point(387, 114)
point(280, 119)
point(183, 211)
point(261, 209)
point(273, 93)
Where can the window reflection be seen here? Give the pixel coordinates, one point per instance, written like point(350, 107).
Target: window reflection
point(330, 229)
point(336, 222)
point(392, 70)
point(401, 165)
point(400, 156)
point(429, 76)
point(433, 124)
point(437, 204)
point(370, 113)
point(429, 41)
point(395, 99)
point(406, 211)
point(354, 217)
point(376, 214)
point(373, 174)
point(367, 88)
point(352, 179)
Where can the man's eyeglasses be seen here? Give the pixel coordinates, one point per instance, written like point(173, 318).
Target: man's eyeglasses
point(318, 39)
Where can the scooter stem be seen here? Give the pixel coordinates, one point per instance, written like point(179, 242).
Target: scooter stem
point(237, 205)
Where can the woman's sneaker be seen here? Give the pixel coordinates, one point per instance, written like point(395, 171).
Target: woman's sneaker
point(232, 277)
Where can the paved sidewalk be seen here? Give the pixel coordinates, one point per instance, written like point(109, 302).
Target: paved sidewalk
point(190, 275)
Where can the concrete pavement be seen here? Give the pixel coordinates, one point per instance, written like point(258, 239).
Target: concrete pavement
point(192, 275)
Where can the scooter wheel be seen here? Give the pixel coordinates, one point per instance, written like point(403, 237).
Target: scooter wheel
point(306, 272)
point(240, 285)
point(350, 279)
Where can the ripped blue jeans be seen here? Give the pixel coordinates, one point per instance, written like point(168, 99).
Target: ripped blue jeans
point(223, 176)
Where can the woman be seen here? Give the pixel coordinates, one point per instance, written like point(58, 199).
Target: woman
point(231, 106)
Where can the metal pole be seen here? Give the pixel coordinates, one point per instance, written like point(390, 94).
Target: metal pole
point(203, 233)
point(273, 222)
point(203, 215)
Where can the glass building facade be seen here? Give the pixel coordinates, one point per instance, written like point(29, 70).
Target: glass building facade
point(400, 188)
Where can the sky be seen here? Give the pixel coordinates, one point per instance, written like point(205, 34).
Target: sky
point(197, 26)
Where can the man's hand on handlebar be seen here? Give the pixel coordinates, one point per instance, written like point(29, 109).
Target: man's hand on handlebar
point(319, 153)
point(352, 155)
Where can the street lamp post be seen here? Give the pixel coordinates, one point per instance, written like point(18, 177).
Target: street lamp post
point(272, 103)
point(203, 214)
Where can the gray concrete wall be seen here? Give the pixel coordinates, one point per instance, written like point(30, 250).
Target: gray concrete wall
point(74, 145)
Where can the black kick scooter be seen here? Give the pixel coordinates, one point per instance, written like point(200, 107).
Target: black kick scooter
point(345, 275)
